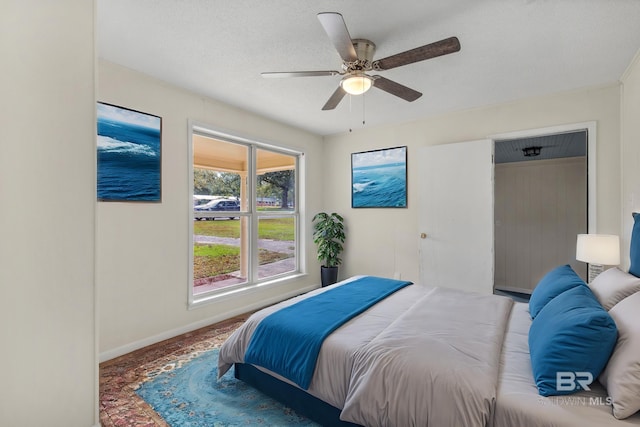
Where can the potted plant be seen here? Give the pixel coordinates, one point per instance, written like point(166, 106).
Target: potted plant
point(328, 234)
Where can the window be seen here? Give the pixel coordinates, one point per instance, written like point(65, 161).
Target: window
point(245, 218)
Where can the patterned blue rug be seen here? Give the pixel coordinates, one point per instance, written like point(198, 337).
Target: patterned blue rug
point(193, 396)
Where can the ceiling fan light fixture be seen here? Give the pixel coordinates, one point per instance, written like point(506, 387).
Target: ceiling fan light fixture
point(356, 84)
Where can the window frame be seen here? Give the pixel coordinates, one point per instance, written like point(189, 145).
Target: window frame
point(253, 216)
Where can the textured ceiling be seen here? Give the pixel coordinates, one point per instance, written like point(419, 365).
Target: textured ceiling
point(510, 50)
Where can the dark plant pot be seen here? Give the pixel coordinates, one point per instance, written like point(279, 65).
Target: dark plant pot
point(329, 275)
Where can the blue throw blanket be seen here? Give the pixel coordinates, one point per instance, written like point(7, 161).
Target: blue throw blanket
point(287, 342)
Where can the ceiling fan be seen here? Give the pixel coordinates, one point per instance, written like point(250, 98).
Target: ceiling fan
point(357, 59)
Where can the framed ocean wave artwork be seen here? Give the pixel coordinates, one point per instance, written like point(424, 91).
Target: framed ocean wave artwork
point(379, 178)
point(128, 155)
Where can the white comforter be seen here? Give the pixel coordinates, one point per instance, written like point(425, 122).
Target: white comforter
point(422, 357)
point(436, 365)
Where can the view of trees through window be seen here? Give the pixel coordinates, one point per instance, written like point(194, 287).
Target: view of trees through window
point(227, 224)
point(274, 189)
point(209, 182)
point(276, 186)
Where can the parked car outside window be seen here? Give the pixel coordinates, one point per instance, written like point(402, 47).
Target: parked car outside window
point(225, 205)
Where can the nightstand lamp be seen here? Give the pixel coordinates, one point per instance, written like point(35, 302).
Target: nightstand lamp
point(598, 250)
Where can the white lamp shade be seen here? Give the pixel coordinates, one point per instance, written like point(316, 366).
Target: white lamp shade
point(600, 249)
point(356, 84)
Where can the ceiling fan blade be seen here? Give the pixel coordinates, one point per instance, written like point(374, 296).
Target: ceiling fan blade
point(396, 89)
point(279, 74)
point(335, 99)
point(432, 50)
point(336, 29)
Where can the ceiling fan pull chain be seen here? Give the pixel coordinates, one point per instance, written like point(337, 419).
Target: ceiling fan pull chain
point(363, 108)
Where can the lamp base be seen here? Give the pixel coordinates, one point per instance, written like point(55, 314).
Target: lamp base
point(594, 270)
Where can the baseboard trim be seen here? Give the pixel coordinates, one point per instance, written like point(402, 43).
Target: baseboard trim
point(137, 345)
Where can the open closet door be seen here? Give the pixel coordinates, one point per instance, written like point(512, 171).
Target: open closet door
point(456, 216)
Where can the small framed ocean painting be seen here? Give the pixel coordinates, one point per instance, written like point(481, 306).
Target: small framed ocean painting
point(379, 178)
point(129, 155)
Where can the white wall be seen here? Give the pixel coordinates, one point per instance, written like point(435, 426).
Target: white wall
point(384, 241)
point(630, 125)
point(143, 249)
point(47, 195)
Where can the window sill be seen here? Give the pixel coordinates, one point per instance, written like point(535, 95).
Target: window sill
point(222, 295)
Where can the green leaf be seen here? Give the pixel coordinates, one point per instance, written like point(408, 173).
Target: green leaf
point(328, 235)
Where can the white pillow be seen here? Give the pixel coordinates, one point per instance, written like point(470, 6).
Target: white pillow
point(613, 285)
point(621, 376)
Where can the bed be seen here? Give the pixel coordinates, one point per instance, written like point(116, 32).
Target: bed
point(430, 356)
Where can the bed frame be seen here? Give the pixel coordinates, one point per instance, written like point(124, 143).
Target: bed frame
point(293, 397)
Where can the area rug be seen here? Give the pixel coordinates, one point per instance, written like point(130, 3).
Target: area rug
point(191, 395)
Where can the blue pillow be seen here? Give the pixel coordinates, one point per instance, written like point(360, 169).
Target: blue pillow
point(572, 337)
point(634, 253)
point(555, 282)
